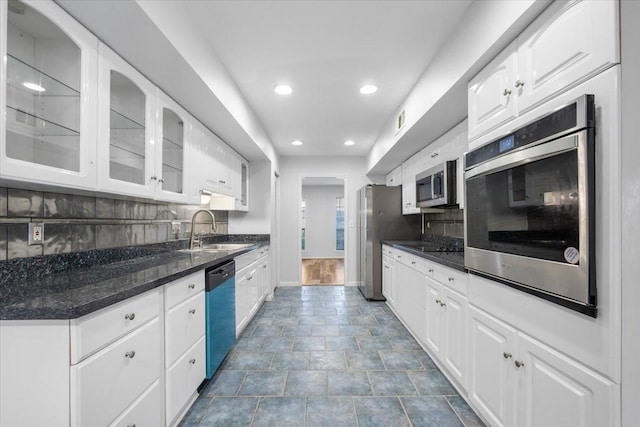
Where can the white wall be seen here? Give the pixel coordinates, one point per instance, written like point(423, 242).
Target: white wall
point(292, 169)
point(630, 59)
point(258, 219)
point(320, 214)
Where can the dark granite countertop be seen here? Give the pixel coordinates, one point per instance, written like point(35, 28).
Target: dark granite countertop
point(79, 291)
point(453, 260)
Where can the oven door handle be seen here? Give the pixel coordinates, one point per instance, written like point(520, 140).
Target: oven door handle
point(518, 158)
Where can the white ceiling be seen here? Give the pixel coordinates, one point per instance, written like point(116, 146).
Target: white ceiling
point(325, 50)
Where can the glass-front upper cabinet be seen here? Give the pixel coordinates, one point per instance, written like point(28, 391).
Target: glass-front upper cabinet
point(173, 152)
point(126, 128)
point(48, 78)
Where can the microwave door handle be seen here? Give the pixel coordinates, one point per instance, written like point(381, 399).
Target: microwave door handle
point(522, 157)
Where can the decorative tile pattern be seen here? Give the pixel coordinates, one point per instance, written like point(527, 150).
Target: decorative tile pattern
point(303, 374)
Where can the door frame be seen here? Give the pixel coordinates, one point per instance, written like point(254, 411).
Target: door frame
point(347, 239)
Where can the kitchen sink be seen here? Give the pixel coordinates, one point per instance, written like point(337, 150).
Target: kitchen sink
point(226, 246)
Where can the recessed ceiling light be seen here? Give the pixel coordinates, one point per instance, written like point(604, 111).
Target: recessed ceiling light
point(33, 86)
point(297, 142)
point(283, 89)
point(368, 89)
point(349, 142)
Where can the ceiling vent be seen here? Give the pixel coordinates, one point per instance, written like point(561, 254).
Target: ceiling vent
point(400, 121)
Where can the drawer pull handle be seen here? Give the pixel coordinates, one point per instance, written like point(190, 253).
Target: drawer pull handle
point(131, 425)
point(431, 270)
point(192, 361)
point(506, 355)
point(192, 311)
point(451, 279)
point(264, 266)
point(519, 364)
point(519, 83)
point(413, 263)
point(192, 286)
point(506, 92)
point(130, 316)
point(130, 354)
point(442, 304)
point(438, 302)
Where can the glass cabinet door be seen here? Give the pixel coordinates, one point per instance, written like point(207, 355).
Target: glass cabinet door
point(172, 151)
point(127, 149)
point(49, 125)
point(126, 120)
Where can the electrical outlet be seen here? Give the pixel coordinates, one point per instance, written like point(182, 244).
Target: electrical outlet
point(175, 228)
point(36, 233)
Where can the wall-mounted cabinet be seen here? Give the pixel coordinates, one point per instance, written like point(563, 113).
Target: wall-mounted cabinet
point(48, 96)
point(394, 178)
point(567, 44)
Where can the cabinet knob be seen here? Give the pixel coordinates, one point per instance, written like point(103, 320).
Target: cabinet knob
point(519, 83)
point(131, 425)
point(130, 316)
point(519, 364)
point(130, 354)
point(506, 355)
point(442, 304)
point(451, 279)
point(264, 266)
point(438, 302)
point(192, 361)
point(399, 257)
point(153, 178)
point(192, 311)
point(506, 92)
point(413, 263)
point(192, 286)
point(161, 180)
point(431, 270)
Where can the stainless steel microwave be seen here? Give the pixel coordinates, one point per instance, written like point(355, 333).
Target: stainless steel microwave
point(530, 207)
point(437, 186)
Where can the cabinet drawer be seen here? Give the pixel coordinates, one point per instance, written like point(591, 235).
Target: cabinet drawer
point(185, 324)
point(245, 260)
point(412, 261)
point(456, 280)
point(183, 288)
point(183, 379)
point(388, 250)
point(145, 411)
point(97, 330)
point(105, 384)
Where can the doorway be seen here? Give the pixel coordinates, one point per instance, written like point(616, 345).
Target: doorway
point(322, 236)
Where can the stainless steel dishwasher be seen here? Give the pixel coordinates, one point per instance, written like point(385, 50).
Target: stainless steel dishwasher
point(220, 286)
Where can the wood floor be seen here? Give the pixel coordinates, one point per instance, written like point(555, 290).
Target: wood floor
point(323, 271)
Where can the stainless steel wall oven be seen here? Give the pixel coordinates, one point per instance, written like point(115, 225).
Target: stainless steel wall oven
point(530, 212)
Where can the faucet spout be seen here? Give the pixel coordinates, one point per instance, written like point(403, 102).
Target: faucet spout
point(195, 238)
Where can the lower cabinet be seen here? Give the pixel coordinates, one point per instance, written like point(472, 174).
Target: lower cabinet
point(388, 275)
point(184, 344)
point(516, 380)
point(253, 279)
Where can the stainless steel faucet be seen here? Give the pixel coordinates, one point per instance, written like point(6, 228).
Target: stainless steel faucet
point(195, 238)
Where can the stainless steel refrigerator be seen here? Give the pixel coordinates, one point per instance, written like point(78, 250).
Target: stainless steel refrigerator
point(380, 218)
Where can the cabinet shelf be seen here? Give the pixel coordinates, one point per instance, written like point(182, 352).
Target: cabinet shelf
point(22, 122)
point(120, 121)
point(19, 72)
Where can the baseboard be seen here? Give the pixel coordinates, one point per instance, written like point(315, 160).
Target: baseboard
point(286, 284)
point(353, 284)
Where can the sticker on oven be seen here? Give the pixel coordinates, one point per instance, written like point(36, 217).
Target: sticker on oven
point(572, 255)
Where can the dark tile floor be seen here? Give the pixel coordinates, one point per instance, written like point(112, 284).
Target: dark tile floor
point(324, 356)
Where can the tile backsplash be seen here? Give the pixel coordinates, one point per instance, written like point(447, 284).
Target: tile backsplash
point(80, 223)
point(449, 223)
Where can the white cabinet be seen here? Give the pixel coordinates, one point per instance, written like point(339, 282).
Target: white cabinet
point(411, 293)
point(492, 95)
point(106, 383)
point(48, 96)
point(252, 284)
point(184, 331)
point(409, 171)
point(242, 190)
point(126, 128)
point(388, 274)
point(517, 380)
point(394, 178)
point(174, 154)
point(566, 45)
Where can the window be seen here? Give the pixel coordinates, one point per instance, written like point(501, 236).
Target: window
point(303, 224)
point(339, 223)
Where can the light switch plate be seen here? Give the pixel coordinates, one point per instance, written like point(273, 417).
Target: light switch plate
point(36, 233)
